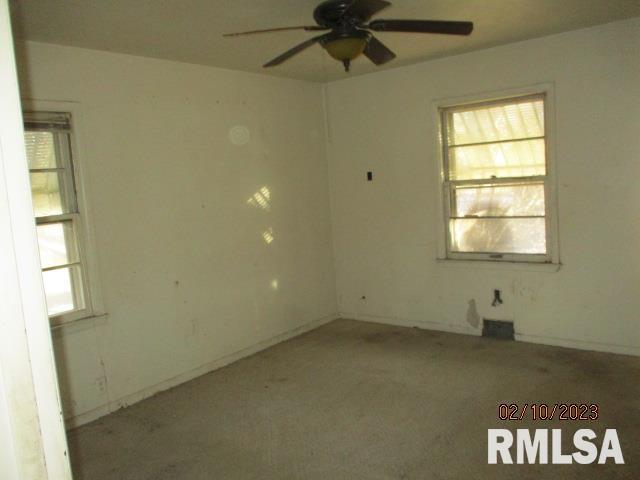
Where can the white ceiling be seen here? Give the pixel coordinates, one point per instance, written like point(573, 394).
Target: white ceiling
point(191, 30)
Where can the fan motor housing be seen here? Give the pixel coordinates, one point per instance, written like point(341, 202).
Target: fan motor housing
point(330, 12)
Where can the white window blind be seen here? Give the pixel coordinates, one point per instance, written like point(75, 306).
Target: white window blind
point(495, 181)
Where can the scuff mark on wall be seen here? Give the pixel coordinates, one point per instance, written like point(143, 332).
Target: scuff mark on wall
point(473, 318)
point(529, 291)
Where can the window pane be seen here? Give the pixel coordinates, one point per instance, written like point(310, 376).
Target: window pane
point(499, 122)
point(57, 244)
point(41, 152)
point(498, 160)
point(47, 193)
point(63, 290)
point(501, 235)
point(499, 201)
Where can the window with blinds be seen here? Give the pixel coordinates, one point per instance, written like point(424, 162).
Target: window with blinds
point(495, 181)
point(58, 222)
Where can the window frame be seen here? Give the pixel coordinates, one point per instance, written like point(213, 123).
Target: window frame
point(81, 216)
point(442, 108)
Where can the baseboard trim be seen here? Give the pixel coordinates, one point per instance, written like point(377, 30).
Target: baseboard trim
point(90, 416)
point(403, 322)
point(579, 344)
point(468, 330)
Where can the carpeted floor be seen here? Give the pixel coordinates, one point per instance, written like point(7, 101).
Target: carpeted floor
point(354, 400)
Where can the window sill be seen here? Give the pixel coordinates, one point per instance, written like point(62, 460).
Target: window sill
point(500, 265)
point(79, 324)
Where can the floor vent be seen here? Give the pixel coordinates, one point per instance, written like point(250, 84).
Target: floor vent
point(498, 329)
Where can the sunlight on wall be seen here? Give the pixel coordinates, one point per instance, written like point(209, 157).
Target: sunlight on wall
point(267, 236)
point(261, 199)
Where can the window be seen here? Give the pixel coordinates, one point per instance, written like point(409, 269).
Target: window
point(496, 184)
point(48, 141)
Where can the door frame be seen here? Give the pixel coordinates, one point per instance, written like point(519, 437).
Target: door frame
point(32, 437)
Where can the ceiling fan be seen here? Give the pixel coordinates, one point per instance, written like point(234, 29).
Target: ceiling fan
point(349, 34)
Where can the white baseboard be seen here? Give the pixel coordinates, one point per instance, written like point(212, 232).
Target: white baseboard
point(579, 344)
point(469, 330)
point(86, 417)
point(403, 322)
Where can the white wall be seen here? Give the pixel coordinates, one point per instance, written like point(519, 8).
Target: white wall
point(385, 232)
point(188, 280)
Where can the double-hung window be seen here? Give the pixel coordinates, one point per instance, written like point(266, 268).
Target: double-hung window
point(48, 141)
point(496, 184)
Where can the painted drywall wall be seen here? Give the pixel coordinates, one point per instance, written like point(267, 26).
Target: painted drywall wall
point(206, 250)
point(386, 231)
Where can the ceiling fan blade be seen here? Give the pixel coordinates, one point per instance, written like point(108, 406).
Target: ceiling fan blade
point(281, 29)
point(422, 26)
point(295, 50)
point(377, 52)
point(363, 10)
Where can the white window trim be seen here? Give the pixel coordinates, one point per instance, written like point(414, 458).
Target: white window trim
point(93, 295)
point(549, 262)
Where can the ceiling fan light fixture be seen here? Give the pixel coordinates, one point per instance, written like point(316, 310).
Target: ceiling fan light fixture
point(350, 31)
point(346, 48)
